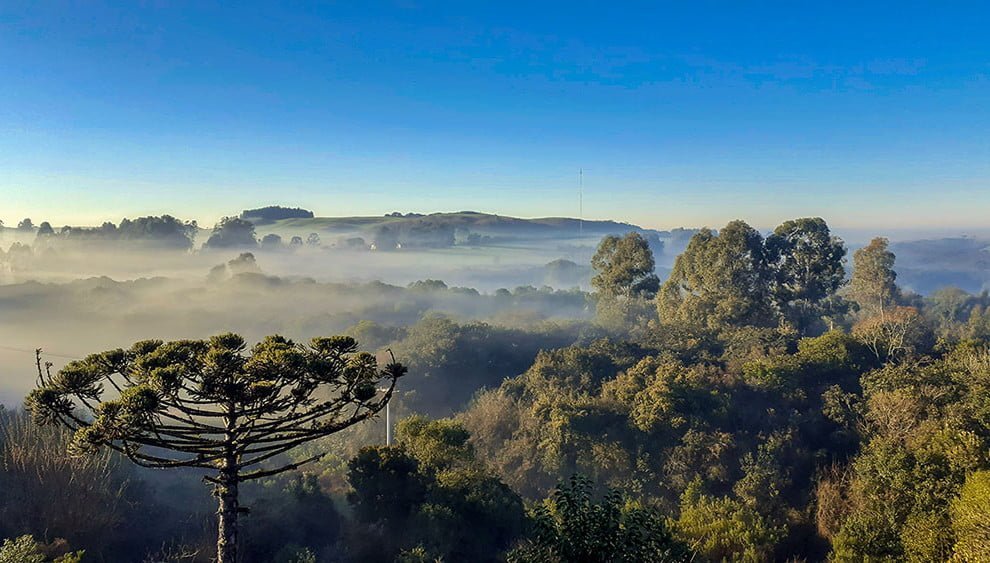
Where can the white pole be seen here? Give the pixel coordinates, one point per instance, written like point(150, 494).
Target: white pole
point(388, 418)
point(388, 424)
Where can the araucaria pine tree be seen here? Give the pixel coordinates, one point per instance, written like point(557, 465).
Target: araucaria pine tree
point(213, 405)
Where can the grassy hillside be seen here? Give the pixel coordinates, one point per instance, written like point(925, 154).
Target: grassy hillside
point(470, 221)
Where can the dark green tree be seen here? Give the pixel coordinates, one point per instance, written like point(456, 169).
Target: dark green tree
point(45, 230)
point(721, 280)
point(625, 282)
point(232, 232)
point(807, 266)
point(873, 285)
point(298, 515)
point(388, 486)
point(624, 268)
point(209, 405)
point(573, 527)
point(163, 232)
point(433, 496)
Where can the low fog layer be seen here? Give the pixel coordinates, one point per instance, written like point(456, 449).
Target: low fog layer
point(72, 319)
point(73, 291)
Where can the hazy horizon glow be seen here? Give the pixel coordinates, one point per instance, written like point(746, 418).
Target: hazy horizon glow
point(872, 117)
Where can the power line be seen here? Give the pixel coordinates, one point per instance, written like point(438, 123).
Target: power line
point(32, 352)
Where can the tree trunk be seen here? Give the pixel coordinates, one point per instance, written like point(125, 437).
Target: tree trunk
point(227, 517)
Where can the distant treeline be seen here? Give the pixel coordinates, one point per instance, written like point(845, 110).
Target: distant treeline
point(163, 232)
point(275, 213)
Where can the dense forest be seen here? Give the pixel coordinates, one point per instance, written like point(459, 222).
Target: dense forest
point(771, 399)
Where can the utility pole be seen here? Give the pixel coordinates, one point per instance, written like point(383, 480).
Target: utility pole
point(388, 424)
point(388, 419)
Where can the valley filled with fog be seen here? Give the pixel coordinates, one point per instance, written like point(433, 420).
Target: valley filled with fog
point(529, 350)
point(79, 289)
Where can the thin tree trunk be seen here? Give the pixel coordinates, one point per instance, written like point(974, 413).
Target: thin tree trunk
point(227, 517)
point(227, 493)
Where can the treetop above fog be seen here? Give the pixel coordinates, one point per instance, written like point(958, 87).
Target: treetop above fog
point(275, 213)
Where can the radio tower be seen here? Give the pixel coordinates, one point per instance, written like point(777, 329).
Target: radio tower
point(581, 202)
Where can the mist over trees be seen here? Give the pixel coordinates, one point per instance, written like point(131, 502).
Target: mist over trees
point(164, 232)
point(770, 400)
point(232, 232)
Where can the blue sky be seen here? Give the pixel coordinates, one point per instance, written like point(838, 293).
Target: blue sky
point(679, 113)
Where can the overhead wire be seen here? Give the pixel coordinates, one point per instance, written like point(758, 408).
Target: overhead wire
point(32, 352)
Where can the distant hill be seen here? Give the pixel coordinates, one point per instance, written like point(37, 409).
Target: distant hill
point(468, 221)
point(274, 213)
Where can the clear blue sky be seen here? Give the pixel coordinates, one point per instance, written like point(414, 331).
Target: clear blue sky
point(686, 113)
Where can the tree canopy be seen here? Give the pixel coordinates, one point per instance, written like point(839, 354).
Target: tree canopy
point(205, 404)
point(873, 285)
point(624, 267)
point(232, 232)
point(721, 279)
point(736, 278)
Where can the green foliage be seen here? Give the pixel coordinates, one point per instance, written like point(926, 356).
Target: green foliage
point(164, 232)
point(573, 526)
point(292, 523)
point(430, 495)
point(439, 445)
point(736, 278)
point(450, 361)
point(275, 213)
point(24, 549)
point(921, 441)
point(209, 405)
point(767, 477)
point(232, 232)
point(162, 381)
point(971, 519)
point(662, 394)
point(21, 550)
point(807, 263)
point(720, 280)
point(417, 554)
point(387, 485)
point(625, 281)
point(725, 529)
point(873, 284)
point(624, 267)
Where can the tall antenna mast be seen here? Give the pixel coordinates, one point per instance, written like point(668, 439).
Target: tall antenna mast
point(581, 202)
